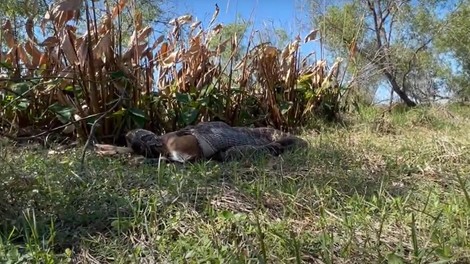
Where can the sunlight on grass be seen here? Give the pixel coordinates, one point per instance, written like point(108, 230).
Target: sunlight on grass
point(390, 187)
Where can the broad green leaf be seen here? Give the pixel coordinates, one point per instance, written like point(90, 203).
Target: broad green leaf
point(227, 215)
point(8, 66)
point(138, 116)
point(119, 113)
point(189, 116)
point(22, 104)
point(117, 75)
point(63, 113)
point(183, 98)
point(394, 259)
point(20, 88)
point(285, 106)
point(444, 253)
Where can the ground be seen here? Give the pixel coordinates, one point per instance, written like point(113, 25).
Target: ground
point(380, 188)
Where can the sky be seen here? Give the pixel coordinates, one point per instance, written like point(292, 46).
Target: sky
point(280, 12)
point(287, 14)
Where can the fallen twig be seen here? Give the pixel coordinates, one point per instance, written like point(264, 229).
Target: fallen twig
point(93, 128)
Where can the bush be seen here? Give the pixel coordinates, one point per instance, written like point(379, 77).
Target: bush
point(70, 79)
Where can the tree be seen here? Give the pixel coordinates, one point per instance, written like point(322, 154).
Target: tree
point(236, 32)
point(391, 40)
point(454, 43)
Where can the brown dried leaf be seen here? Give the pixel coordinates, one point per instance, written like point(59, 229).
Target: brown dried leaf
point(352, 49)
point(49, 42)
point(195, 44)
point(67, 5)
point(63, 17)
point(147, 53)
point(163, 51)
point(130, 53)
point(34, 52)
point(138, 20)
point(285, 52)
point(78, 42)
point(217, 29)
point(10, 56)
point(140, 50)
point(334, 69)
point(294, 46)
point(312, 35)
point(158, 41)
point(132, 38)
point(221, 47)
point(8, 34)
point(171, 59)
point(214, 16)
point(270, 51)
point(24, 56)
point(29, 29)
point(106, 23)
point(103, 46)
point(67, 47)
point(82, 54)
point(44, 59)
point(118, 9)
point(195, 24)
point(181, 20)
point(44, 22)
point(144, 33)
point(98, 63)
point(54, 55)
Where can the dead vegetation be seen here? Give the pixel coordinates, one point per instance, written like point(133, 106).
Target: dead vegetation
point(79, 67)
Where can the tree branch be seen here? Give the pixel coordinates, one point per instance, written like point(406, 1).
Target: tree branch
point(411, 61)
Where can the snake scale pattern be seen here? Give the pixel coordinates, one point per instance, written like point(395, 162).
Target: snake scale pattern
point(215, 140)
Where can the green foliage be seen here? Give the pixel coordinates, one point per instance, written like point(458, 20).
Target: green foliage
point(454, 42)
point(232, 34)
point(388, 42)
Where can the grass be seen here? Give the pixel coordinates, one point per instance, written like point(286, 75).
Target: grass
point(387, 188)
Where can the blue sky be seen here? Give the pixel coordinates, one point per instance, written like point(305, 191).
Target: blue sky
point(287, 14)
point(280, 12)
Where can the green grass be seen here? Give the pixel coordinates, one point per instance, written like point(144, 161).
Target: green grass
point(387, 188)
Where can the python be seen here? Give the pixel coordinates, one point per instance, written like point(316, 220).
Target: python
point(214, 140)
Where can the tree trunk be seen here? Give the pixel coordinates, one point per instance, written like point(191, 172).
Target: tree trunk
point(383, 45)
point(396, 88)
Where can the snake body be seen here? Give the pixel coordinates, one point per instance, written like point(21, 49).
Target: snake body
point(211, 140)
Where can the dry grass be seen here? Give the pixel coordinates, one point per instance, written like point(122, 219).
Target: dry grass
point(359, 194)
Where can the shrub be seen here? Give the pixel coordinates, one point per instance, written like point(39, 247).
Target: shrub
point(75, 75)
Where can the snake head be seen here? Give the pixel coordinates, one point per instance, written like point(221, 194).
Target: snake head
point(144, 142)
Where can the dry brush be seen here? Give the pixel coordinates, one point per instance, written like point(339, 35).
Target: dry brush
point(81, 67)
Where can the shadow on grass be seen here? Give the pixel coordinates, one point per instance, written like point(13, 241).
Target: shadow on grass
point(113, 197)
